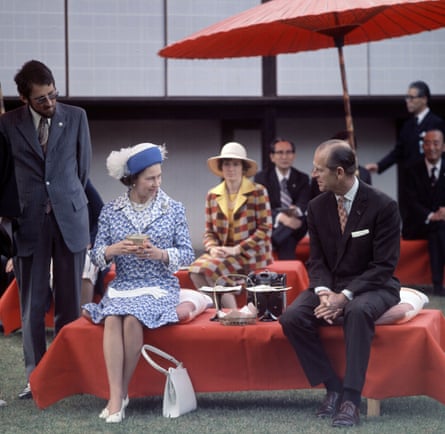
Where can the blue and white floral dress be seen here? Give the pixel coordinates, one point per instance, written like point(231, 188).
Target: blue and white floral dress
point(165, 224)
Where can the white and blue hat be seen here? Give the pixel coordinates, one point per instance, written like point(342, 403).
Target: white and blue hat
point(132, 160)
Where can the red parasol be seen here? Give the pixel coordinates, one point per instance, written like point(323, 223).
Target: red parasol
point(290, 26)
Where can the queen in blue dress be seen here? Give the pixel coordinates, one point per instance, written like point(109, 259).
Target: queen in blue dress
point(145, 291)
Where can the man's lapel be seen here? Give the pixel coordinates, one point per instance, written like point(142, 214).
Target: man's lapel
point(58, 124)
point(25, 126)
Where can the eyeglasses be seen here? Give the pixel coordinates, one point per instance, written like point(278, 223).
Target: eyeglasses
point(51, 96)
point(284, 152)
point(411, 97)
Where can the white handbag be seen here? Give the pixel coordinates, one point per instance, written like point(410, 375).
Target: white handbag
point(179, 395)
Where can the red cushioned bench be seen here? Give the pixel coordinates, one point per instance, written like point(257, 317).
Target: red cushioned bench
point(406, 360)
point(295, 271)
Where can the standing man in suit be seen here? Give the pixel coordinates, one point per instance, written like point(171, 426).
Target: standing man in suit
point(51, 148)
point(288, 227)
point(354, 233)
point(425, 193)
point(408, 148)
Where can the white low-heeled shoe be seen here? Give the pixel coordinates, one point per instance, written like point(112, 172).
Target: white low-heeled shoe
point(116, 417)
point(105, 412)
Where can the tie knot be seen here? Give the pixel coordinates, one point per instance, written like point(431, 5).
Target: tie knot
point(43, 121)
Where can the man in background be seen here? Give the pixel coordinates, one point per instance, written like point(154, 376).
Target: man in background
point(289, 191)
point(425, 193)
point(51, 149)
point(408, 148)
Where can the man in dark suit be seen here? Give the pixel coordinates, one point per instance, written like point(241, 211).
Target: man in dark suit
point(351, 277)
point(408, 148)
point(289, 221)
point(425, 193)
point(51, 148)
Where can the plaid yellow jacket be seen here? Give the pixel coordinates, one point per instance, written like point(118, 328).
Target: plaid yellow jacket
point(252, 221)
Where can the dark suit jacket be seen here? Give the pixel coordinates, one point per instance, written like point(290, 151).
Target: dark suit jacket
point(422, 199)
point(9, 202)
point(61, 176)
point(298, 186)
point(409, 143)
point(364, 257)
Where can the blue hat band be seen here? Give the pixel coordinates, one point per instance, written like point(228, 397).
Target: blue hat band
point(144, 159)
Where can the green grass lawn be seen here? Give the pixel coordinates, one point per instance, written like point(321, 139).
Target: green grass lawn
point(241, 412)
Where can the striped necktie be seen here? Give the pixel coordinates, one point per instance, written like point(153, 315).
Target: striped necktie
point(286, 200)
point(342, 214)
point(43, 132)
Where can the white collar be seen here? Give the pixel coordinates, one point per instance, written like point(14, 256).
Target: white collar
point(280, 176)
point(36, 118)
point(438, 166)
point(350, 195)
point(421, 116)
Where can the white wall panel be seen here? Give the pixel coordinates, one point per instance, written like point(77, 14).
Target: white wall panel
point(31, 29)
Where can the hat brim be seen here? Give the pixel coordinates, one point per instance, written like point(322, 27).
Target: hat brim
point(212, 164)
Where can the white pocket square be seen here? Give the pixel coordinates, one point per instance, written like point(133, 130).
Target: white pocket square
point(361, 233)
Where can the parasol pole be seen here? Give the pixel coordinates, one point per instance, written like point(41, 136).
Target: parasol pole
point(339, 42)
point(2, 105)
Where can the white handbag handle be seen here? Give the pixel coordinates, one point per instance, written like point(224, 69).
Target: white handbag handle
point(151, 348)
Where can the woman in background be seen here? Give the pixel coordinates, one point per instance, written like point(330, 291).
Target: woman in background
point(238, 222)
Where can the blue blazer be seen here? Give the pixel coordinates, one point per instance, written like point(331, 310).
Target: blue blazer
point(61, 176)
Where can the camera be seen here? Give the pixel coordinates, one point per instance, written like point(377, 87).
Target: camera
point(270, 305)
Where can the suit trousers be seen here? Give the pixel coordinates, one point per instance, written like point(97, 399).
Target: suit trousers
point(33, 277)
point(301, 328)
point(285, 240)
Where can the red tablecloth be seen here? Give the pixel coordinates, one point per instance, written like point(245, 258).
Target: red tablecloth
point(405, 359)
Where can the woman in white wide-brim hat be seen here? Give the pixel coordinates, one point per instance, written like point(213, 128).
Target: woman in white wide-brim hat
point(238, 223)
point(145, 291)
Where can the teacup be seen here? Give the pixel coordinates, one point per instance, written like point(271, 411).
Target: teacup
point(137, 238)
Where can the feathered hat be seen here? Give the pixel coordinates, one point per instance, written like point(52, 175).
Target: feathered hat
point(132, 160)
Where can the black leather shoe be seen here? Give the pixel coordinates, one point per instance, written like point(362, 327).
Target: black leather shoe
point(330, 405)
point(348, 415)
point(26, 392)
